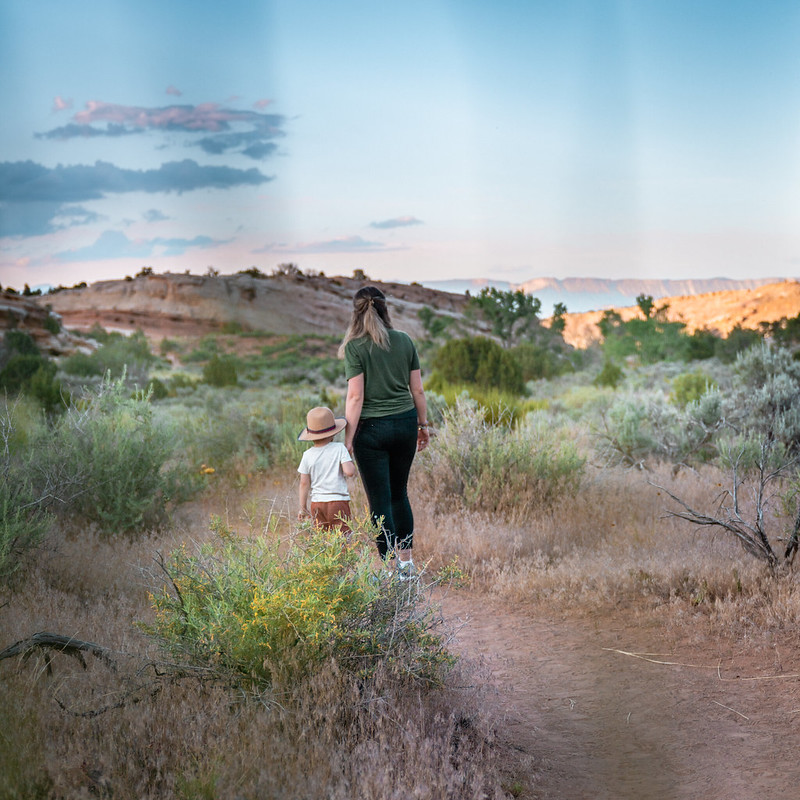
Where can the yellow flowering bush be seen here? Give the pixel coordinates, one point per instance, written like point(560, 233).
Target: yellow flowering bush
point(264, 608)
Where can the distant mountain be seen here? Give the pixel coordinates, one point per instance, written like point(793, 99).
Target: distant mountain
point(473, 285)
point(593, 294)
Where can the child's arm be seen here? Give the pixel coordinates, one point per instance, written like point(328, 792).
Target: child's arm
point(303, 492)
point(348, 468)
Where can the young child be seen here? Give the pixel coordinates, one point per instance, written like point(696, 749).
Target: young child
point(324, 470)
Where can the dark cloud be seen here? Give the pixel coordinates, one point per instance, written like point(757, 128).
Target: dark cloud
point(249, 143)
point(27, 181)
point(74, 130)
point(47, 190)
point(396, 222)
point(39, 218)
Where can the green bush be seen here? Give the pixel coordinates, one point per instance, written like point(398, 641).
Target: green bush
point(23, 513)
point(18, 372)
point(220, 371)
point(259, 610)
point(610, 375)
point(117, 355)
point(20, 342)
point(737, 341)
point(637, 428)
point(689, 387)
point(479, 361)
point(538, 362)
point(498, 469)
point(107, 461)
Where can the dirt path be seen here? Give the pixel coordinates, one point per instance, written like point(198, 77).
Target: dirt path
point(588, 722)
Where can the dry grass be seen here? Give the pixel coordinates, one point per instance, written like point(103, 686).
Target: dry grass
point(329, 736)
point(615, 544)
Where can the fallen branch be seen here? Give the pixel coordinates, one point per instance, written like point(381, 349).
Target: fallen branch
point(69, 645)
point(716, 667)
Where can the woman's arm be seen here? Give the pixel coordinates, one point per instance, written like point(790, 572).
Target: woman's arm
point(352, 408)
point(421, 404)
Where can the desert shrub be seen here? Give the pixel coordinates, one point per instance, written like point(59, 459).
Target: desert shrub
point(20, 342)
point(262, 610)
point(765, 397)
point(478, 361)
point(689, 387)
point(538, 361)
point(18, 371)
point(118, 355)
point(702, 345)
point(499, 469)
point(220, 371)
point(737, 341)
point(498, 407)
point(106, 460)
point(169, 346)
point(640, 427)
point(254, 429)
point(52, 324)
point(610, 375)
point(206, 348)
point(23, 514)
point(25, 371)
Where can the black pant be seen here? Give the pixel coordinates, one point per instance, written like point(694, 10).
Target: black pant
point(384, 448)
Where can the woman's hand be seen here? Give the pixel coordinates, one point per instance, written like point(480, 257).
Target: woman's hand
point(423, 439)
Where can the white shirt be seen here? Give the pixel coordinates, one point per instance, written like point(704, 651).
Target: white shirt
point(323, 464)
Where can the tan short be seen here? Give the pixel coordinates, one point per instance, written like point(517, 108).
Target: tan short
point(329, 515)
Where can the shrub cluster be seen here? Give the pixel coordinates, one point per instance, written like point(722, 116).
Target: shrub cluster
point(24, 370)
point(256, 611)
point(105, 460)
point(497, 468)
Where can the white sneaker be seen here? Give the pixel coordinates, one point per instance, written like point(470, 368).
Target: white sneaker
point(406, 571)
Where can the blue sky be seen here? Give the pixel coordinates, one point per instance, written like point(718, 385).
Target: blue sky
point(416, 141)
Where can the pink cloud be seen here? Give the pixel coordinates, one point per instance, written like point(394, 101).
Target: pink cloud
point(263, 103)
point(60, 104)
point(202, 117)
point(172, 90)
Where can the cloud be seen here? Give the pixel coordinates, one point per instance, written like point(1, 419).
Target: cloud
point(154, 215)
point(73, 130)
point(61, 104)
point(32, 196)
point(41, 217)
point(221, 126)
point(114, 244)
point(256, 148)
point(172, 90)
point(396, 222)
point(263, 103)
point(27, 181)
point(346, 244)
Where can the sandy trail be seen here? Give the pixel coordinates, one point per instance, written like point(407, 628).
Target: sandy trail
point(587, 722)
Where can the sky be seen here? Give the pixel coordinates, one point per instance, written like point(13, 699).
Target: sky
point(416, 141)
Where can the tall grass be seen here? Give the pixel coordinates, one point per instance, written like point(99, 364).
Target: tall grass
point(320, 732)
point(614, 544)
point(513, 472)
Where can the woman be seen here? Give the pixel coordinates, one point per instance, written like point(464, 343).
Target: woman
point(387, 420)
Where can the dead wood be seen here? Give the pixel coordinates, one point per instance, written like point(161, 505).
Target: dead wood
point(44, 642)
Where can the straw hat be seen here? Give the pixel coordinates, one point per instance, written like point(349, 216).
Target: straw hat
point(320, 424)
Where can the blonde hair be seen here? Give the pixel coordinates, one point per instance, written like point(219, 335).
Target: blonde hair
point(370, 318)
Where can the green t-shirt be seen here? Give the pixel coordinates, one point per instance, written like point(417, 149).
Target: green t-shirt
point(386, 373)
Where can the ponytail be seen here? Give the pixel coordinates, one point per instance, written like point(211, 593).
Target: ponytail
point(370, 318)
